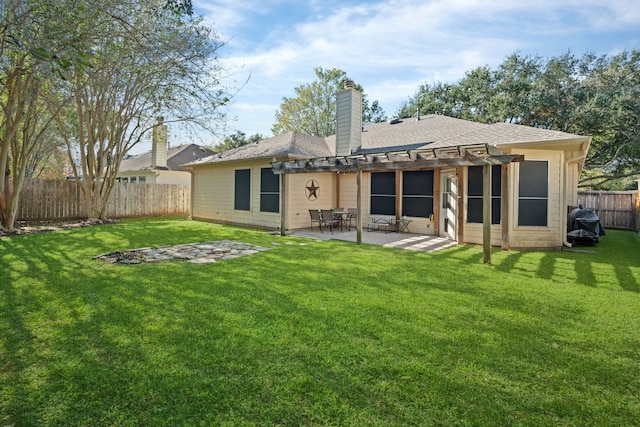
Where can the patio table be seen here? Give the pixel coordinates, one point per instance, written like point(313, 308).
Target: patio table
point(403, 225)
point(380, 222)
point(339, 216)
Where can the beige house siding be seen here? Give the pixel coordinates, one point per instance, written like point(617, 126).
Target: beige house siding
point(539, 237)
point(573, 176)
point(158, 177)
point(348, 191)
point(550, 236)
point(473, 234)
point(297, 203)
point(213, 196)
point(173, 177)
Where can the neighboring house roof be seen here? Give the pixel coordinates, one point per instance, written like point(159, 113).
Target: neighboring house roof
point(176, 157)
point(290, 144)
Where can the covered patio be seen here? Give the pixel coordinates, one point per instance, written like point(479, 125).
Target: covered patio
point(434, 158)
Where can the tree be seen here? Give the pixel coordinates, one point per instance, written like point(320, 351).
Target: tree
point(147, 62)
point(373, 113)
point(597, 96)
point(30, 55)
point(430, 99)
point(476, 95)
point(101, 70)
point(313, 110)
point(515, 79)
point(611, 114)
point(235, 140)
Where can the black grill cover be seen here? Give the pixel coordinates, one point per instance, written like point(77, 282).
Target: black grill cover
point(582, 237)
point(585, 219)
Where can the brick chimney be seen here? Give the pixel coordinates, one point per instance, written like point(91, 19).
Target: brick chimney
point(348, 120)
point(159, 147)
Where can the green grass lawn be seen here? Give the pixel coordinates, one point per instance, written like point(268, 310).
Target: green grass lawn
point(320, 333)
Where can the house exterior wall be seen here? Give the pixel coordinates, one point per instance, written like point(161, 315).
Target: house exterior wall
point(298, 204)
point(348, 199)
point(158, 177)
point(213, 199)
point(573, 176)
point(213, 195)
point(550, 236)
point(348, 190)
point(149, 176)
point(173, 177)
point(349, 193)
point(472, 232)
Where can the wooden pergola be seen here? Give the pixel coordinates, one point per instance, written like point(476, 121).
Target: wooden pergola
point(484, 155)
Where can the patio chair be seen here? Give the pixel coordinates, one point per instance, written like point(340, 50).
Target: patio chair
point(329, 219)
point(315, 217)
point(351, 218)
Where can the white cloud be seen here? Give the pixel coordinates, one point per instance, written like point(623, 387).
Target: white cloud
point(391, 47)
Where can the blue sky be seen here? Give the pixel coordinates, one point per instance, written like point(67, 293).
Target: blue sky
point(391, 47)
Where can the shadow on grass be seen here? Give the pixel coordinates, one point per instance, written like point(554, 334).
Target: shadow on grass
point(300, 335)
point(592, 266)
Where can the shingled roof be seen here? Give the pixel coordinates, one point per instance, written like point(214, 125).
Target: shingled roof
point(432, 131)
point(176, 157)
point(439, 131)
point(411, 131)
point(292, 145)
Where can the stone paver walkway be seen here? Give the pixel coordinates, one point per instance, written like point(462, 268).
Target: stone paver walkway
point(196, 253)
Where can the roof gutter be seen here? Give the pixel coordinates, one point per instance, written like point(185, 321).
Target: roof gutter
point(564, 216)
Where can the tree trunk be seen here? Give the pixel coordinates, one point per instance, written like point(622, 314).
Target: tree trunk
point(5, 195)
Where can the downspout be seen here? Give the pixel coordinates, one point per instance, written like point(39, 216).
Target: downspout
point(564, 216)
point(191, 191)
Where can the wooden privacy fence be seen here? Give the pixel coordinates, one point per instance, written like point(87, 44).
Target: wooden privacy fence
point(57, 199)
point(616, 209)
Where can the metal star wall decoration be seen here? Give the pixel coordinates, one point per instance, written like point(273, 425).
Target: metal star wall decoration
point(312, 189)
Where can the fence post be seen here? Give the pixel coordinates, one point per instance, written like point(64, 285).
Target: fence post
point(636, 208)
point(636, 211)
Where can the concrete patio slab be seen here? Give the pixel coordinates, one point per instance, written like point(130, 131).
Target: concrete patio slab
point(408, 241)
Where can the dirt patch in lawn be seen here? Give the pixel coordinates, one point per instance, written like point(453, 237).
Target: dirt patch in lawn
point(32, 227)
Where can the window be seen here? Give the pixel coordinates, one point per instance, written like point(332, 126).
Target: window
point(242, 194)
point(142, 179)
point(383, 193)
point(134, 179)
point(417, 193)
point(475, 193)
point(269, 191)
point(533, 193)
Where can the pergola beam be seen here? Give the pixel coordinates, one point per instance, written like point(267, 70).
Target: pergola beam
point(374, 164)
point(478, 155)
